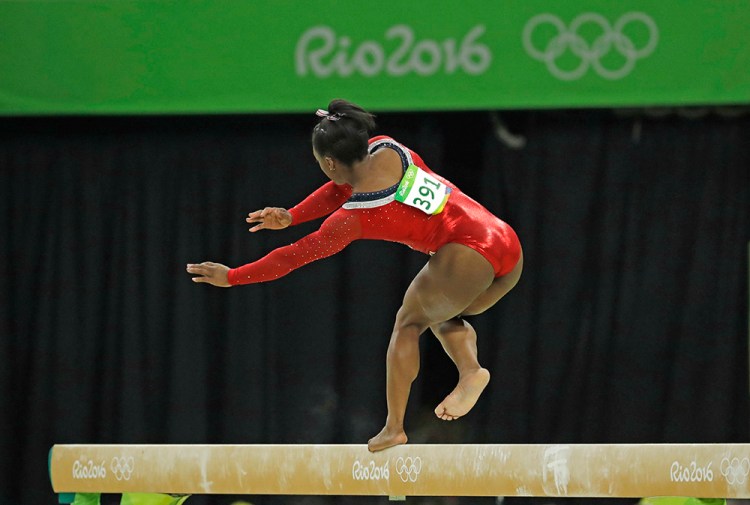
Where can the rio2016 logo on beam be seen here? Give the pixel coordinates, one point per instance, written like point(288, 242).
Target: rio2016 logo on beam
point(370, 471)
point(88, 469)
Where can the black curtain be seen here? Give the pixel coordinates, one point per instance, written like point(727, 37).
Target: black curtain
point(630, 322)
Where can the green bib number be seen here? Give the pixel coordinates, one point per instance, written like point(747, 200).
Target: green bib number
point(422, 190)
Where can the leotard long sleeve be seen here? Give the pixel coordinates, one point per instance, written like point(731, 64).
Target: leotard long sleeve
point(321, 202)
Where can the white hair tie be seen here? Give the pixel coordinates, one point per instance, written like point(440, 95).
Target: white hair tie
point(331, 117)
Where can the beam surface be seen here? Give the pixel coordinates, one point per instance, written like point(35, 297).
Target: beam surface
point(575, 470)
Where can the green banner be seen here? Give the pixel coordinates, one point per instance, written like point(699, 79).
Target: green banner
point(199, 56)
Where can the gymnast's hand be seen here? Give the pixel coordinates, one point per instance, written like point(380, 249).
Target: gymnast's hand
point(212, 273)
point(270, 218)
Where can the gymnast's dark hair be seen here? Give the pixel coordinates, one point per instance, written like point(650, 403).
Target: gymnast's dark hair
point(343, 131)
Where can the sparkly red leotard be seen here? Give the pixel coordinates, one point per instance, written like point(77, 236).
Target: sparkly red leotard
point(378, 216)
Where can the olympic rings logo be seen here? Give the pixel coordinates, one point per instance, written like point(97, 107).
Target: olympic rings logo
point(122, 467)
point(408, 468)
point(735, 470)
point(590, 54)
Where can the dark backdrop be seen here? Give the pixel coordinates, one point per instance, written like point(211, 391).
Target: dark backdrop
point(629, 324)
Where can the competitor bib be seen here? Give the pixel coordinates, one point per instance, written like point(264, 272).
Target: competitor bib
point(422, 190)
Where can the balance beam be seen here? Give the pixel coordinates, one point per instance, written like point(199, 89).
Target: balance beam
point(573, 470)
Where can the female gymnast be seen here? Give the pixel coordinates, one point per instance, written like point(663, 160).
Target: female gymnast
point(379, 189)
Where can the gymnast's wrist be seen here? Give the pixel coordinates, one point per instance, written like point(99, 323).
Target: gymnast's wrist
point(293, 213)
point(233, 277)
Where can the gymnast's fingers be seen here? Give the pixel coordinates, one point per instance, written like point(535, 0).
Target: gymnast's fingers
point(200, 268)
point(254, 216)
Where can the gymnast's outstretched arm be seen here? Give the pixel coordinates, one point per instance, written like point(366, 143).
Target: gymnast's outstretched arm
point(336, 232)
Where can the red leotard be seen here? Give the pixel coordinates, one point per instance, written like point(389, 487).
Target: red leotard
point(378, 216)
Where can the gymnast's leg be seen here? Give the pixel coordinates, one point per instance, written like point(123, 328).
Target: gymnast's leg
point(460, 343)
point(452, 279)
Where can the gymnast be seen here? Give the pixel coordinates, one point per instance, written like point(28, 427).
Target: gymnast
point(379, 189)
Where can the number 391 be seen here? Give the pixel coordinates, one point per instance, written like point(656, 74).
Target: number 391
point(425, 191)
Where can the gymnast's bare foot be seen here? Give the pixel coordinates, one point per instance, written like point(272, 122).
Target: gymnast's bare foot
point(386, 438)
point(460, 401)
